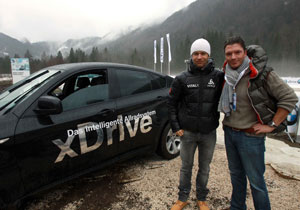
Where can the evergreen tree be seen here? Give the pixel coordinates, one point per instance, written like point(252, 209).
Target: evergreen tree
point(134, 58)
point(80, 56)
point(297, 50)
point(35, 65)
point(59, 58)
point(44, 57)
point(95, 55)
point(187, 47)
point(51, 61)
point(106, 55)
point(43, 61)
point(276, 50)
point(179, 56)
point(216, 40)
point(71, 57)
point(5, 67)
point(28, 55)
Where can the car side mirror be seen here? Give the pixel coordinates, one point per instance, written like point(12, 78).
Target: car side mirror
point(48, 105)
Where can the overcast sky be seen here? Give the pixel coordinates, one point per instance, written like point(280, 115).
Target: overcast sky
point(59, 20)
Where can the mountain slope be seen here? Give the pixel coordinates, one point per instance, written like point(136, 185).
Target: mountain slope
point(10, 46)
point(271, 23)
point(274, 24)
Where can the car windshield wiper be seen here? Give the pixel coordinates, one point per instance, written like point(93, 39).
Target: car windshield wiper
point(3, 94)
point(21, 96)
point(28, 80)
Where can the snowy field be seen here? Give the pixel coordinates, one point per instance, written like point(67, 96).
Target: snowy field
point(5, 77)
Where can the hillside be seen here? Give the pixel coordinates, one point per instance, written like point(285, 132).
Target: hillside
point(274, 24)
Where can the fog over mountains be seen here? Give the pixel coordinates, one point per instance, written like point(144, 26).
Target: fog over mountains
point(10, 46)
point(274, 24)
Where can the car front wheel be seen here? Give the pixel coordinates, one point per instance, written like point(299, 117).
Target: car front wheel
point(169, 146)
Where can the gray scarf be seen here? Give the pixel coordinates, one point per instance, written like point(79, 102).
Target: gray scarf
point(228, 98)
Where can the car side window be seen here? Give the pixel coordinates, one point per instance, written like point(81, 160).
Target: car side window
point(133, 82)
point(83, 89)
point(158, 82)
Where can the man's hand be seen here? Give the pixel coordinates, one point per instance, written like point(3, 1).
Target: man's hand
point(259, 128)
point(278, 118)
point(180, 132)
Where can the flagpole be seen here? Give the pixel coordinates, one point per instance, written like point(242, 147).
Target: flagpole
point(161, 53)
point(169, 53)
point(155, 55)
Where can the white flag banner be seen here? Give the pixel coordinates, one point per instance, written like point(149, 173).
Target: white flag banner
point(162, 49)
point(155, 61)
point(169, 47)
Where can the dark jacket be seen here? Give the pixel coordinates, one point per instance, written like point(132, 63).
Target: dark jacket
point(264, 102)
point(266, 92)
point(193, 99)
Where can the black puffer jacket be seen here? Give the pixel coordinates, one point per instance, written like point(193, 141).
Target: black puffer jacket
point(194, 97)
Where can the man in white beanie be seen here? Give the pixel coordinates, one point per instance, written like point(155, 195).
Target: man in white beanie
point(193, 115)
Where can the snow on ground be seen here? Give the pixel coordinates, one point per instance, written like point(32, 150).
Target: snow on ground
point(282, 157)
point(5, 77)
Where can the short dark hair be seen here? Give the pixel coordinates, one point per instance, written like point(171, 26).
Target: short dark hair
point(235, 40)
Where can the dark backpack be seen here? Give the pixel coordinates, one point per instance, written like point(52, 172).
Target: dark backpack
point(259, 82)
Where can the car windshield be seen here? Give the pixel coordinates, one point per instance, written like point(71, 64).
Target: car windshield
point(17, 92)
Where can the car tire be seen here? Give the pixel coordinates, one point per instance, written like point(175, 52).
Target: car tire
point(1, 203)
point(18, 205)
point(169, 146)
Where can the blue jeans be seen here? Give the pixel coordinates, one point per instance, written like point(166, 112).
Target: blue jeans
point(206, 145)
point(246, 159)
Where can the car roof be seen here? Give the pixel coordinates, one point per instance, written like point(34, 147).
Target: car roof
point(86, 65)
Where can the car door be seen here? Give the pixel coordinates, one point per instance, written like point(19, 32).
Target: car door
point(140, 103)
point(51, 148)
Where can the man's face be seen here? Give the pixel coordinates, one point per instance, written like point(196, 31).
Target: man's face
point(200, 58)
point(234, 55)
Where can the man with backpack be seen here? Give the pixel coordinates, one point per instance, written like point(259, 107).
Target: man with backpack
point(255, 101)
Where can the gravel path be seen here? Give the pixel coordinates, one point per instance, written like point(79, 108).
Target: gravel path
point(150, 183)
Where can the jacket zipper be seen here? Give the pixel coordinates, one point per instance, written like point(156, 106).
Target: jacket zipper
point(257, 114)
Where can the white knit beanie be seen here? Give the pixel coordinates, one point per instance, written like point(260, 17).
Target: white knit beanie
point(200, 45)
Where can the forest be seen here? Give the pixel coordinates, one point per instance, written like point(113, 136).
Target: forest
point(273, 24)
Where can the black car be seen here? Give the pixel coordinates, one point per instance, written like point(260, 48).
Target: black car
point(67, 120)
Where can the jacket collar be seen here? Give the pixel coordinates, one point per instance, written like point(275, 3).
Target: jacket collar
point(258, 59)
point(193, 69)
point(253, 71)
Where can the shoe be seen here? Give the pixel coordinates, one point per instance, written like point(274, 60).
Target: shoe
point(179, 205)
point(202, 205)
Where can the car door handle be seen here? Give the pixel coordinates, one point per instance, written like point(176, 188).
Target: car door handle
point(2, 141)
point(160, 98)
point(106, 112)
